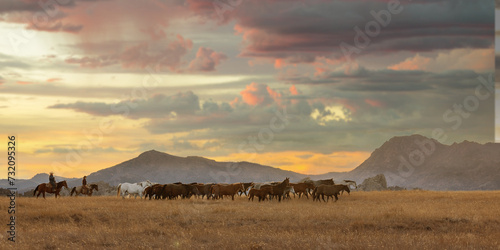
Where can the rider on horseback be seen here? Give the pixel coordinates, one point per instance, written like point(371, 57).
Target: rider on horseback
point(85, 189)
point(52, 181)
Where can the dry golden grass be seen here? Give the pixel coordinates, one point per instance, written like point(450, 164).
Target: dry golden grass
point(363, 220)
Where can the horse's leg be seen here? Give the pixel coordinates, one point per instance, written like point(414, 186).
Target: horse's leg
point(336, 198)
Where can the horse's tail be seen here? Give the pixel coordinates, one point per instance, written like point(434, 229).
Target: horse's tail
point(119, 187)
point(34, 192)
point(72, 191)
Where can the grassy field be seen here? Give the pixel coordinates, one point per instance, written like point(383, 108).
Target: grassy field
point(362, 220)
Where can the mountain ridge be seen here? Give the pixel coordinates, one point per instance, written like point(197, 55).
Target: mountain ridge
point(406, 161)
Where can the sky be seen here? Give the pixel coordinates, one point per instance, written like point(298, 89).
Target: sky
point(309, 86)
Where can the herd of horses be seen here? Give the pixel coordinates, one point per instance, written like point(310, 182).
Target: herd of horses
point(263, 191)
point(318, 189)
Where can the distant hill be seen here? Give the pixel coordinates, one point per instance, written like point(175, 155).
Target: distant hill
point(164, 168)
point(26, 184)
point(460, 166)
point(406, 161)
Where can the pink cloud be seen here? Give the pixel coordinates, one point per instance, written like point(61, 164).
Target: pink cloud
point(294, 91)
point(54, 79)
point(260, 94)
point(374, 103)
point(206, 60)
point(456, 59)
point(141, 55)
point(24, 82)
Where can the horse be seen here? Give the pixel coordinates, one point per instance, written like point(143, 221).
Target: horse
point(204, 189)
point(145, 184)
point(79, 190)
point(329, 190)
point(173, 190)
point(259, 185)
point(280, 189)
point(129, 188)
point(44, 187)
point(288, 190)
point(349, 183)
point(260, 193)
point(246, 187)
point(317, 183)
point(219, 190)
point(154, 190)
point(301, 188)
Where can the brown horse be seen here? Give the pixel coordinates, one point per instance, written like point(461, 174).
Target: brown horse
point(45, 188)
point(329, 190)
point(261, 193)
point(219, 190)
point(301, 188)
point(246, 185)
point(171, 191)
point(204, 189)
point(80, 190)
point(280, 189)
point(155, 190)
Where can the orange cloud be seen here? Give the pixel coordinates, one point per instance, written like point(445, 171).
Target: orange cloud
point(374, 103)
point(416, 63)
point(54, 79)
point(24, 82)
point(260, 94)
point(474, 59)
point(279, 63)
point(294, 91)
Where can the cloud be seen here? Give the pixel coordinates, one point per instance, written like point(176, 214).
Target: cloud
point(259, 94)
point(56, 79)
point(472, 59)
point(301, 32)
point(158, 106)
point(141, 55)
point(24, 82)
point(206, 60)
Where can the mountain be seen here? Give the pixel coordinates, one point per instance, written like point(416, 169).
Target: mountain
point(27, 184)
point(406, 161)
point(164, 168)
point(418, 161)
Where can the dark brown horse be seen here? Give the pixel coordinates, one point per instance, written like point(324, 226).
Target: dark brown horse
point(155, 190)
point(329, 191)
point(280, 189)
point(45, 188)
point(171, 191)
point(80, 190)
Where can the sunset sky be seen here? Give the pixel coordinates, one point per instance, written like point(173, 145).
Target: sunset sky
point(310, 86)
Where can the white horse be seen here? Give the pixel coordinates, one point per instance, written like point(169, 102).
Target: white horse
point(145, 184)
point(349, 183)
point(130, 188)
point(287, 191)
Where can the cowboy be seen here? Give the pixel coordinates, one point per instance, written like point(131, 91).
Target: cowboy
point(85, 189)
point(52, 181)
